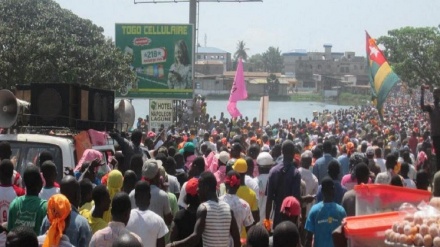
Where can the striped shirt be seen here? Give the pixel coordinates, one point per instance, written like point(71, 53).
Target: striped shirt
point(217, 224)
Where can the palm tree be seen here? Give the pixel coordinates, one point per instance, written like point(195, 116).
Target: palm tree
point(241, 51)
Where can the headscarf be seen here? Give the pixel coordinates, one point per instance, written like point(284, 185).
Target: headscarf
point(114, 182)
point(88, 156)
point(114, 185)
point(350, 148)
point(58, 209)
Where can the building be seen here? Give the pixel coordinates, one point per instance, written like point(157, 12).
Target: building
point(256, 84)
point(212, 61)
point(324, 70)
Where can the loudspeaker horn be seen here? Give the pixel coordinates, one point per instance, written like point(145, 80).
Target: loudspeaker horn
point(10, 108)
point(124, 115)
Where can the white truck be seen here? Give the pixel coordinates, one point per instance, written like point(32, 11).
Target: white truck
point(27, 147)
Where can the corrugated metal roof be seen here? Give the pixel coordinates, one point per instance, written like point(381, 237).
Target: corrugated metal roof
point(296, 52)
point(210, 50)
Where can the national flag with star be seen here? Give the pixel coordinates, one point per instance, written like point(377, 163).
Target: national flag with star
point(382, 77)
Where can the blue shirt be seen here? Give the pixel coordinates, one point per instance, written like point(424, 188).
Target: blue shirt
point(78, 231)
point(320, 169)
point(322, 220)
point(284, 180)
point(345, 164)
point(339, 192)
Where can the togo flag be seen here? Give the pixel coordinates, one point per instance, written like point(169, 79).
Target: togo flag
point(382, 77)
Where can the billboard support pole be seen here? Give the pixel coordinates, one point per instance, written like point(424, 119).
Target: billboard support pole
point(193, 20)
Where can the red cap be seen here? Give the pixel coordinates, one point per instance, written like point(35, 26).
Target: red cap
point(290, 206)
point(191, 186)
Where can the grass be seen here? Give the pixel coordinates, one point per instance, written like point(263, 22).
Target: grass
point(354, 99)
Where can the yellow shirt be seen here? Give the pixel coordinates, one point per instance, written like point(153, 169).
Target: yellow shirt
point(96, 224)
point(86, 209)
point(250, 197)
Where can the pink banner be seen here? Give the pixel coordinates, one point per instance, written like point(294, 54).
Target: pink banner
point(238, 90)
point(232, 109)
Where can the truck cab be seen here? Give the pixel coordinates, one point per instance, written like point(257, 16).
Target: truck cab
point(26, 149)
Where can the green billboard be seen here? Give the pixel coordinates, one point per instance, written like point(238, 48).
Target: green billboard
point(161, 57)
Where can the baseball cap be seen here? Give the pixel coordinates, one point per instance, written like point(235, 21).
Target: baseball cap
point(151, 134)
point(307, 154)
point(151, 168)
point(290, 206)
point(189, 147)
point(240, 166)
point(265, 159)
point(223, 156)
point(191, 186)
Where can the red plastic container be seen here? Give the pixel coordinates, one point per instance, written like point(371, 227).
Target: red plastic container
point(369, 230)
point(379, 198)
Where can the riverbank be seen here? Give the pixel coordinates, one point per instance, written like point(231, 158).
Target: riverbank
point(344, 98)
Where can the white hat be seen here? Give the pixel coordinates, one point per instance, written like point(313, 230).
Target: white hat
point(151, 168)
point(223, 156)
point(265, 159)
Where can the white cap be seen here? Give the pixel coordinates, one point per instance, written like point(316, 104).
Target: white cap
point(223, 156)
point(265, 159)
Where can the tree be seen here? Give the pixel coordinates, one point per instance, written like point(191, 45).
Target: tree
point(273, 85)
point(414, 54)
point(41, 42)
point(241, 51)
point(255, 63)
point(272, 60)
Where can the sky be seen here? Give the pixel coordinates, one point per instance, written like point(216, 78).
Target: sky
point(286, 24)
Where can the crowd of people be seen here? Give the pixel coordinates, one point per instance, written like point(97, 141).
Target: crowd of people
point(226, 182)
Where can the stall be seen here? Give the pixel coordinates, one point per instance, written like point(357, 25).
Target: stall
point(389, 215)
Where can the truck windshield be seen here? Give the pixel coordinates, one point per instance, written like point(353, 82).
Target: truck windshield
point(27, 153)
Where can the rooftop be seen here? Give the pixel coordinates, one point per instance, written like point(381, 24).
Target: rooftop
point(296, 52)
point(210, 50)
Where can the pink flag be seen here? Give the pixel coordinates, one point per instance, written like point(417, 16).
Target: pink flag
point(238, 90)
point(232, 109)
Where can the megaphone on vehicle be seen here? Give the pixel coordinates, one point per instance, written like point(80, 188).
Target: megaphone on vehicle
point(124, 115)
point(10, 108)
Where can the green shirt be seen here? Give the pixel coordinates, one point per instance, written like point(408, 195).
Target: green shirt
point(27, 211)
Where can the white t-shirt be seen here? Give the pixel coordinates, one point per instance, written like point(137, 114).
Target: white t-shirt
point(7, 195)
point(241, 209)
point(46, 193)
point(159, 202)
point(181, 200)
point(381, 164)
point(252, 184)
point(409, 183)
point(147, 225)
point(211, 146)
point(261, 180)
point(174, 186)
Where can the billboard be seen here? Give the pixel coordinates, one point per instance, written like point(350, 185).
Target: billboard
point(161, 112)
point(161, 57)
